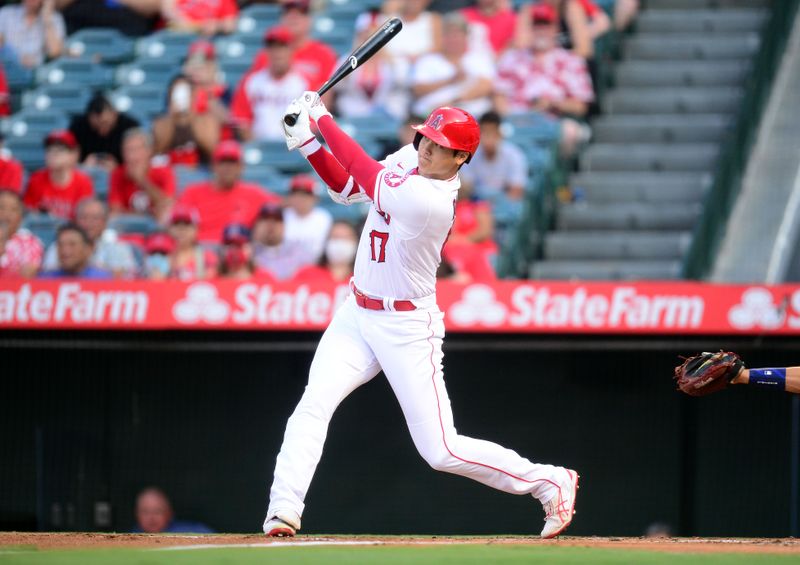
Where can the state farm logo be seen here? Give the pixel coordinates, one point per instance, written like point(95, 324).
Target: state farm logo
point(201, 304)
point(757, 309)
point(478, 305)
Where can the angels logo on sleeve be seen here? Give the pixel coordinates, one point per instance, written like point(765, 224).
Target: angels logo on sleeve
point(395, 179)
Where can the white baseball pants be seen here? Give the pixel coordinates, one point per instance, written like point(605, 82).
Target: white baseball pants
point(408, 347)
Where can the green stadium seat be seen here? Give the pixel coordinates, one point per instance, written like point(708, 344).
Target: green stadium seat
point(83, 71)
point(133, 223)
point(184, 176)
point(258, 17)
point(29, 150)
point(32, 122)
point(165, 45)
point(43, 226)
point(70, 98)
point(145, 99)
point(242, 46)
point(100, 178)
point(101, 44)
point(146, 71)
point(274, 154)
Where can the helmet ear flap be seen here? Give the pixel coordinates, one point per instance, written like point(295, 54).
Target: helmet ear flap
point(417, 139)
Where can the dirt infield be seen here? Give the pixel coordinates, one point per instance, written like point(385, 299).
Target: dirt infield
point(54, 541)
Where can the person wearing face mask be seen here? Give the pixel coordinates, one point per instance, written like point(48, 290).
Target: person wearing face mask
point(338, 259)
point(548, 79)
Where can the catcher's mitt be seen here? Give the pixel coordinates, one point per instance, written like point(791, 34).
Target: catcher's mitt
point(707, 372)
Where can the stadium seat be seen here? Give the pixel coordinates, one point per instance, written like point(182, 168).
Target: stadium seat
point(354, 213)
point(379, 128)
point(232, 70)
point(632, 216)
point(606, 270)
point(242, 46)
point(28, 150)
point(146, 71)
point(258, 17)
point(43, 226)
point(274, 154)
point(100, 178)
point(100, 44)
point(266, 177)
point(80, 71)
point(32, 122)
point(184, 176)
point(616, 245)
point(133, 223)
point(145, 99)
point(531, 127)
point(70, 98)
point(164, 45)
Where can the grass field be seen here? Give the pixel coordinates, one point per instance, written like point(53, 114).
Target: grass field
point(97, 549)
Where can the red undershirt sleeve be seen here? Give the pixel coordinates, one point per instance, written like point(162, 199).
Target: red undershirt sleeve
point(328, 169)
point(363, 168)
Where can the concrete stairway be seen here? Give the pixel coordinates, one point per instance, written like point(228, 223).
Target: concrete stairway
point(655, 148)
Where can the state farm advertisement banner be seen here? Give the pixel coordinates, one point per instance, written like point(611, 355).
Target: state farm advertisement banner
point(506, 306)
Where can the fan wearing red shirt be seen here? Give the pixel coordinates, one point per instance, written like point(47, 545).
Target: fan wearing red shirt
point(500, 21)
point(208, 17)
point(136, 186)
point(58, 187)
point(11, 170)
point(225, 199)
point(313, 59)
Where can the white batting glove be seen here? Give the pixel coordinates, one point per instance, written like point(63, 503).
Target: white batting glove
point(298, 134)
point(313, 103)
point(347, 200)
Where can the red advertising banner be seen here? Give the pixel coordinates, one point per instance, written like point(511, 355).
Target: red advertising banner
point(503, 307)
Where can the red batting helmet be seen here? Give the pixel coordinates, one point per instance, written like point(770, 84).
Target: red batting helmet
point(452, 128)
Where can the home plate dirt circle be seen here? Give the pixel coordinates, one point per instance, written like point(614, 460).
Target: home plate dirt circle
point(52, 541)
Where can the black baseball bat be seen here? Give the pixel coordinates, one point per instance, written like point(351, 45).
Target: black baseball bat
point(360, 54)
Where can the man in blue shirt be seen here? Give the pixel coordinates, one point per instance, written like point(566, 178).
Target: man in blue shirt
point(74, 255)
point(154, 516)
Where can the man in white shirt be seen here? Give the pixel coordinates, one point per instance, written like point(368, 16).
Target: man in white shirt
point(306, 223)
point(391, 321)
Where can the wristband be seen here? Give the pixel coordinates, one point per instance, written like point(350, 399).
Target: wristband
point(311, 146)
point(769, 378)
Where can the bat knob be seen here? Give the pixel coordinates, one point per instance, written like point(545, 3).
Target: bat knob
point(290, 119)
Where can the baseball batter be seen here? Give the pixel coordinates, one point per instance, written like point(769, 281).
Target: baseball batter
point(391, 322)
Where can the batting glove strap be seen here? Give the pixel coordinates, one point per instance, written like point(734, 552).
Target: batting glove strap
point(310, 146)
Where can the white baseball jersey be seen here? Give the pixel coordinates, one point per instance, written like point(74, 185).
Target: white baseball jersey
point(406, 228)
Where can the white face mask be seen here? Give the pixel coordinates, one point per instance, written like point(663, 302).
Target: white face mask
point(340, 250)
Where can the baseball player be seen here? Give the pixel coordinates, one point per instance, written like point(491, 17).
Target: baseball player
point(390, 321)
point(709, 372)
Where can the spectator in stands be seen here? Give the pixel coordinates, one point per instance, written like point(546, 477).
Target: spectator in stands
point(108, 252)
point(421, 33)
point(236, 260)
point(262, 96)
point(306, 223)
point(225, 198)
point(313, 59)
point(206, 17)
point(572, 24)
point(190, 260)
point(338, 259)
point(159, 247)
point(498, 167)
point(453, 76)
point(5, 94)
point(23, 251)
point(471, 248)
point(625, 12)
point(154, 515)
point(273, 255)
point(58, 187)
point(548, 79)
point(4, 236)
point(11, 170)
point(131, 17)
point(498, 20)
point(378, 87)
point(210, 94)
point(99, 133)
point(137, 186)
point(186, 136)
point(32, 31)
point(74, 249)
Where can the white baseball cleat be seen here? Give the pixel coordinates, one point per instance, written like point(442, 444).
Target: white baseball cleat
point(283, 524)
point(560, 509)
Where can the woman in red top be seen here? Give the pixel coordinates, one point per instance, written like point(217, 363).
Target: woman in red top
point(471, 248)
point(336, 265)
point(189, 261)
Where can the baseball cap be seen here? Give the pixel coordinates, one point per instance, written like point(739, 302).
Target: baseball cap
point(302, 183)
point(202, 48)
point(271, 212)
point(160, 242)
point(184, 214)
point(543, 14)
point(278, 34)
point(235, 234)
point(61, 137)
point(228, 150)
point(302, 5)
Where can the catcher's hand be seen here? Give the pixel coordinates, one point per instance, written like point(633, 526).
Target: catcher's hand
point(708, 372)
